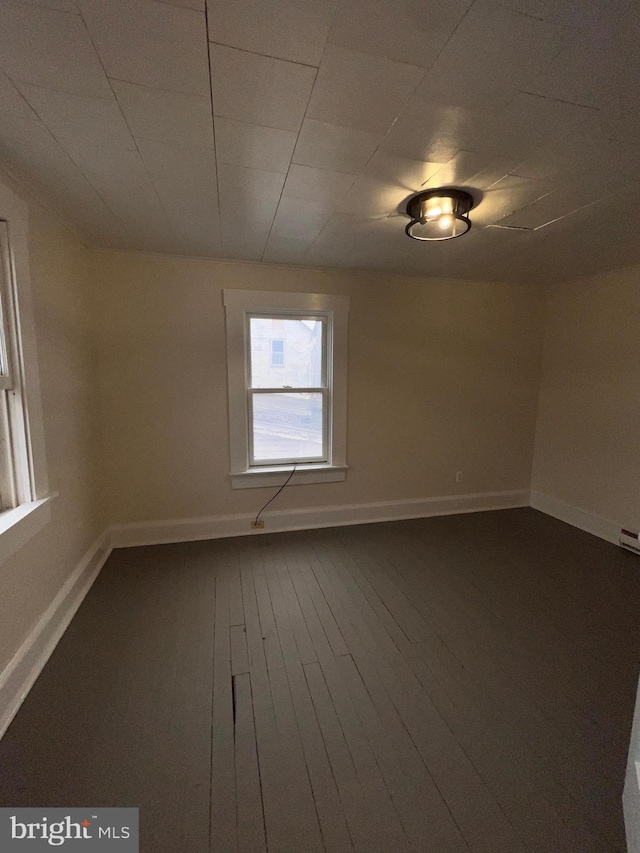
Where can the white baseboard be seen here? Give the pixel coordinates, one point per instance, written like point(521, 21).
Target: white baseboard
point(20, 674)
point(599, 526)
point(219, 526)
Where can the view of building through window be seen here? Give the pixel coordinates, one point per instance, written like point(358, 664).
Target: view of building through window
point(287, 354)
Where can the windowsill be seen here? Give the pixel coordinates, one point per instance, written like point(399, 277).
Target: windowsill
point(19, 525)
point(255, 478)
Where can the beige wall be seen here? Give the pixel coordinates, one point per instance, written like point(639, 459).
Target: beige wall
point(31, 578)
point(587, 451)
point(442, 377)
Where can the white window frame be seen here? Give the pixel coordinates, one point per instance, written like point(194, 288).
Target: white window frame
point(25, 485)
point(239, 306)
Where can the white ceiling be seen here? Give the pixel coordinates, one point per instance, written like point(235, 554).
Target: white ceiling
point(292, 131)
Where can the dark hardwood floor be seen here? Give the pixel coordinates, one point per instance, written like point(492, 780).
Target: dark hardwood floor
point(463, 683)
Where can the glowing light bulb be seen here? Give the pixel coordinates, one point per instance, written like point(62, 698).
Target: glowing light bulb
point(445, 222)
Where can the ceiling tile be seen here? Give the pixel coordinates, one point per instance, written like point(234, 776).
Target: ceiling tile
point(330, 146)
point(11, 101)
point(348, 241)
point(406, 173)
point(299, 219)
point(492, 54)
point(489, 174)
point(235, 209)
point(318, 185)
point(121, 179)
point(385, 185)
point(397, 29)
point(585, 164)
point(548, 209)
point(507, 195)
point(243, 242)
point(154, 44)
point(95, 121)
point(371, 197)
point(185, 180)
point(170, 117)
point(253, 145)
point(296, 31)
point(237, 181)
point(527, 123)
point(584, 243)
point(258, 89)
point(295, 229)
point(361, 91)
point(49, 48)
point(280, 250)
point(27, 145)
point(583, 15)
point(597, 67)
point(248, 195)
point(58, 5)
point(460, 170)
point(198, 5)
point(435, 132)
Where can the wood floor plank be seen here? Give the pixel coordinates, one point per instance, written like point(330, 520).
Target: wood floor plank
point(329, 812)
point(318, 636)
point(273, 653)
point(358, 812)
point(286, 591)
point(427, 821)
point(272, 755)
point(251, 832)
point(223, 766)
point(387, 824)
point(239, 649)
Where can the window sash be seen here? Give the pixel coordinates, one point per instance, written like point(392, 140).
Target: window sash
point(321, 316)
point(6, 378)
point(324, 388)
point(293, 460)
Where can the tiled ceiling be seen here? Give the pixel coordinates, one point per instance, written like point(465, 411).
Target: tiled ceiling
point(293, 131)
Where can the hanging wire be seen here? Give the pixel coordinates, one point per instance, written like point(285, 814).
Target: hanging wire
point(276, 494)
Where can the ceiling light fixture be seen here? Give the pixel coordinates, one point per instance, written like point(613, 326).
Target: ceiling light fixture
point(439, 214)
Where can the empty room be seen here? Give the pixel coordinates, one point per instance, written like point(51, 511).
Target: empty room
point(319, 426)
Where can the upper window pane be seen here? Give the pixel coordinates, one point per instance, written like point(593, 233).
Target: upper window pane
point(286, 353)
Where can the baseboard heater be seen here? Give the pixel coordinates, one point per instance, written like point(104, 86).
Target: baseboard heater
point(630, 540)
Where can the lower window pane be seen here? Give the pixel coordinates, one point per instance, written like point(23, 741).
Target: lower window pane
point(287, 426)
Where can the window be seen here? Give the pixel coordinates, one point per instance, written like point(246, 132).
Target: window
point(286, 358)
point(277, 353)
point(14, 479)
point(24, 499)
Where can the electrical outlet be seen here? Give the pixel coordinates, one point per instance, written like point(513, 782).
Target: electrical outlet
point(458, 476)
point(257, 525)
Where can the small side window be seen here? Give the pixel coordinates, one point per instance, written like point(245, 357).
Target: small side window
point(15, 474)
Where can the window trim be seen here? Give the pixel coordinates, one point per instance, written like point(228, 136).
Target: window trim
point(239, 304)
